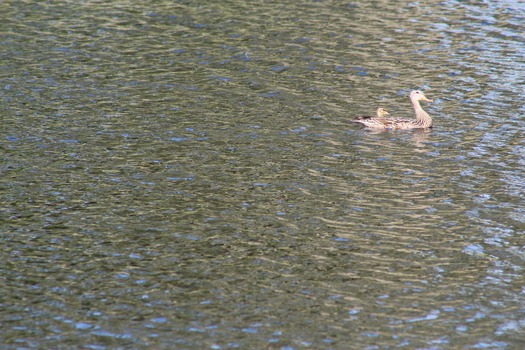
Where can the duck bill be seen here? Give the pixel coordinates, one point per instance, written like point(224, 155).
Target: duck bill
point(428, 100)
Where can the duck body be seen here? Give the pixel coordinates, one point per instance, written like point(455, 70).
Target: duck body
point(422, 121)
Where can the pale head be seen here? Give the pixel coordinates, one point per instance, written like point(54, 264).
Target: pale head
point(382, 112)
point(417, 95)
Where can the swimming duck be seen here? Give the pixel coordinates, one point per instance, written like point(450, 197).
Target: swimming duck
point(422, 121)
point(382, 112)
point(380, 118)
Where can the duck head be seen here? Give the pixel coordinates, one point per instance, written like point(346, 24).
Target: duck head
point(382, 112)
point(417, 95)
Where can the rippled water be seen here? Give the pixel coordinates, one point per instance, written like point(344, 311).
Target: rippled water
point(184, 175)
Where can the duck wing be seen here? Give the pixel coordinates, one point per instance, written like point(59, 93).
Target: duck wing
point(370, 122)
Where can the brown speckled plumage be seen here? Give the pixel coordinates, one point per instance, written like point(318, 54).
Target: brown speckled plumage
point(422, 121)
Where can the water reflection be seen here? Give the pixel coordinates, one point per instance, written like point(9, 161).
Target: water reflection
point(185, 174)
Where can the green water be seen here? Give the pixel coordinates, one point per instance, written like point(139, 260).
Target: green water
point(184, 175)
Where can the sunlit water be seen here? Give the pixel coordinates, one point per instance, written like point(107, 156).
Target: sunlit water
point(185, 175)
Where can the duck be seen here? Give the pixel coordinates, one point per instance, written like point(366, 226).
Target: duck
point(422, 121)
point(381, 114)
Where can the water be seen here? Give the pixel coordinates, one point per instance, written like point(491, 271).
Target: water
point(184, 175)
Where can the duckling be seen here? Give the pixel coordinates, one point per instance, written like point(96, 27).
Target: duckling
point(381, 114)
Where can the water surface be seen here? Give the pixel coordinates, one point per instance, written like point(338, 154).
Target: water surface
point(185, 175)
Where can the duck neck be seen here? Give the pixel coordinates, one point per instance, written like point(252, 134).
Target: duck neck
point(422, 117)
